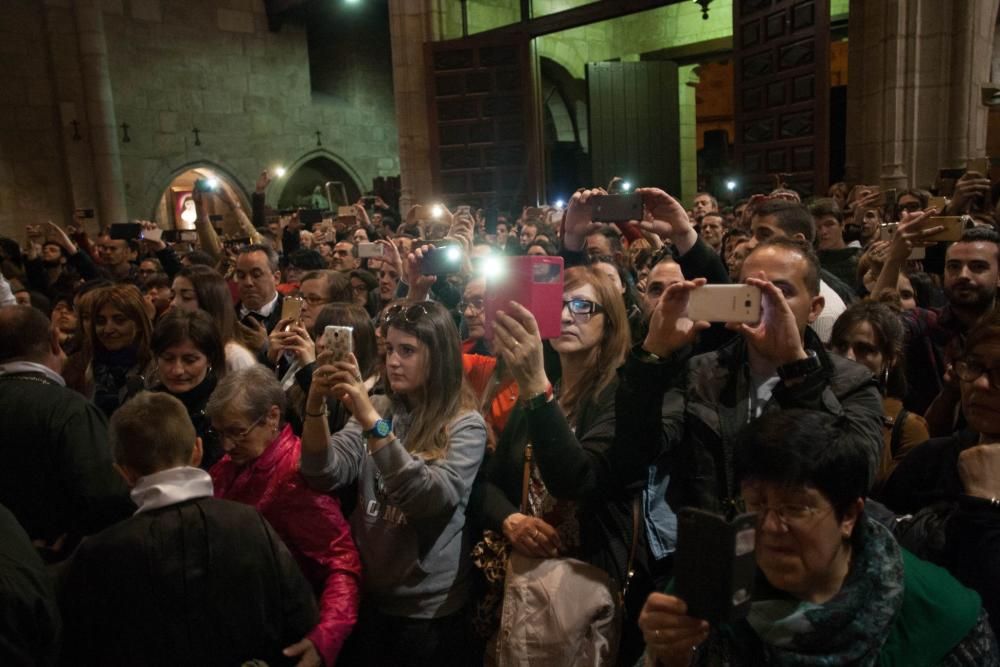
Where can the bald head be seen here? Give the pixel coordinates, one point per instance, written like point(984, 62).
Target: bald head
point(24, 335)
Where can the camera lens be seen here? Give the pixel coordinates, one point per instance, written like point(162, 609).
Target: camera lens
point(746, 304)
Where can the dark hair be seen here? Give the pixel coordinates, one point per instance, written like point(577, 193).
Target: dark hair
point(272, 256)
point(822, 208)
point(199, 258)
point(613, 238)
point(367, 277)
point(981, 235)
point(336, 284)
point(151, 432)
point(889, 338)
point(24, 334)
point(215, 299)
point(156, 280)
point(547, 246)
point(804, 448)
point(986, 330)
point(128, 300)
point(728, 236)
point(711, 198)
point(922, 195)
point(805, 249)
point(307, 259)
point(351, 315)
point(197, 326)
point(791, 218)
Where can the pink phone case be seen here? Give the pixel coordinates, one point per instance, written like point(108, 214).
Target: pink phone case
point(535, 282)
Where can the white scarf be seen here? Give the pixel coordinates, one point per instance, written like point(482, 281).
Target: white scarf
point(171, 486)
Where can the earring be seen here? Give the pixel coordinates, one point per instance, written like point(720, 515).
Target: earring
point(209, 369)
point(885, 377)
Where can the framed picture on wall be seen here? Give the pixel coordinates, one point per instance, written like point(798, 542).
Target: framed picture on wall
point(184, 211)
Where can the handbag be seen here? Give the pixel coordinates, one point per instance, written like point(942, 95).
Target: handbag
point(557, 612)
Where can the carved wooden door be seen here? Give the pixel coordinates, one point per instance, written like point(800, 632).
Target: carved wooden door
point(482, 122)
point(781, 54)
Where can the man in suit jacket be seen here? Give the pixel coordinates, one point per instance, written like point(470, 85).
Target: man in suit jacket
point(188, 580)
point(257, 281)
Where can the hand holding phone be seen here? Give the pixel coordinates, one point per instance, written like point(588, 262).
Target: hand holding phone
point(725, 303)
point(338, 342)
point(616, 208)
point(291, 309)
point(535, 282)
point(441, 260)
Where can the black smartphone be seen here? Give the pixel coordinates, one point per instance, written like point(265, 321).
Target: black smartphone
point(715, 565)
point(124, 231)
point(441, 260)
point(492, 215)
point(171, 235)
point(310, 216)
point(616, 208)
point(85, 212)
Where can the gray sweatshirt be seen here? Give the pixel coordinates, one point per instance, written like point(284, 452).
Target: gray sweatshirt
point(409, 525)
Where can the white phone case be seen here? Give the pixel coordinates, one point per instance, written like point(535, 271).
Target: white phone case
point(725, 303)
point(339, 340)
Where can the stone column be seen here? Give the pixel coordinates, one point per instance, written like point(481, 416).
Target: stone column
point(100, 111)
point(687, 82)
point(917, 69)
point(411, 24)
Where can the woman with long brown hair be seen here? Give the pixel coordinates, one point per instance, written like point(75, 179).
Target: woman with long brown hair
point(120, 332)
point(414, 464)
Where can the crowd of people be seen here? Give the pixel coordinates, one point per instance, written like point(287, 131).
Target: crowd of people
point(198, 473)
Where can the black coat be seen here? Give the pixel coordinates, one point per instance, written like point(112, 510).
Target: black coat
point(202, 582)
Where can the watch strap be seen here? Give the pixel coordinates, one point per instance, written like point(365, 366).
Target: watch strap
point(801, 367)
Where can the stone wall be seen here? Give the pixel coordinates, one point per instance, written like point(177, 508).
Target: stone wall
point(175, 65)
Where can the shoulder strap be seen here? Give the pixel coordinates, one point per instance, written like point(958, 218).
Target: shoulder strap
point(897, 432)
point(526, 478)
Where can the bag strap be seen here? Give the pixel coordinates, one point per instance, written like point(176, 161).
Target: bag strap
point(525, 479)
point(897, 432)
point(630, 568)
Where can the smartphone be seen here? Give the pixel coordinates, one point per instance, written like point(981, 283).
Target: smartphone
point(616, 208)
point(85, 212)
point(339, 341)
point(188, 236)
point(715, 565)
point(346, 212)
point(980, 165)
point(954, 226)
point(366, 250)
point(291, 308)
point(124, 231)
point(535, 282)
point(154, 234)
point(937, 203)
point(171, 236)
point(491, 214)
point(203, 185)
point(310, 216)
point(725, 303)
point(441, 261)
point(886, 230)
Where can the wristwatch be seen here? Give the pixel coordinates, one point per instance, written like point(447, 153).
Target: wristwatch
point(538, 400)
point(800, 368)
point(381, 429)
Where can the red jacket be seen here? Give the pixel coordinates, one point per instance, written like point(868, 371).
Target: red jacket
point(312, 527)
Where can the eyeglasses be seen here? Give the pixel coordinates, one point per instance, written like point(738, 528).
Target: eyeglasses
point(359, 289)
point(314, 300)
point(791, 515)
point(409, 313)
point(476, 305)
point(583, 307)
point(970, 370)
point(236, 435)
point(910, 206)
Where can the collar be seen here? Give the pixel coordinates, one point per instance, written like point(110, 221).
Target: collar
point(264, 311)
point(171, 486)
point(13, 367)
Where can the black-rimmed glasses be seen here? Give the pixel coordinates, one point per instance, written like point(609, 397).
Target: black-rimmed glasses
point(971, 369)
point(583, 307)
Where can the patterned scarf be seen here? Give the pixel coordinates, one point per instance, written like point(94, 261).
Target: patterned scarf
point(850, 628)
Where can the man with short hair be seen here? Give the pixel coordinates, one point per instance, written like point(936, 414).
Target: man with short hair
point(114, 256)
point(319, 289)
point(783, 219)
point(196, 580)
point(528, 233)
point(345, 257)
point(605, 242)
point(57, 477)
point(777, 363)
point(711, 230)
point(256, 281)
point(704, 203)
point(834, 254)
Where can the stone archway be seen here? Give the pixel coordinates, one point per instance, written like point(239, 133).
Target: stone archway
point(169, 211)
point(311, 171)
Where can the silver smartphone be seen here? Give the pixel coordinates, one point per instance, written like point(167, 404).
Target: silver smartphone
point(725, 303)
point(366, 250)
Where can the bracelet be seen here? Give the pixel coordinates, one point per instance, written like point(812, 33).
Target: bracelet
point(324, 412)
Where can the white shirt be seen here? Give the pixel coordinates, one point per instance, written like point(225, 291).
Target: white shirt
point(832, 309)
point(171, 486)
point(265, 310)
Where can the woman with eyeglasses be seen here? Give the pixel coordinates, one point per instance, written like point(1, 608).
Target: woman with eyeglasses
point(190, 360)
point(833, 586)
point(950, 486)
point(872, 334)
point(579, 499)
point(261, 468)
point(414, 465)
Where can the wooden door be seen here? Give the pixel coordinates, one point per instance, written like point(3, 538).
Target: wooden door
point(782, 93)
point(484, 143)
point(634, 123)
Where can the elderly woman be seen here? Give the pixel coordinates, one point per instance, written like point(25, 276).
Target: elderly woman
point(836, 587)
point(261, 468)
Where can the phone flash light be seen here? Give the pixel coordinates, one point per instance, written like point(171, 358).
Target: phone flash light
point(279, 172)
point(212, 183)
point(730, 185)
point(436, 210)
point(453, 254)
point(491, 268)
point(626, 186)
point(560, 203)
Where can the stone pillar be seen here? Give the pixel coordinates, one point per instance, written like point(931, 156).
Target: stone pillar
point(103, 127)
point(411, 25)
point(687, 82)
point(916, 72)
